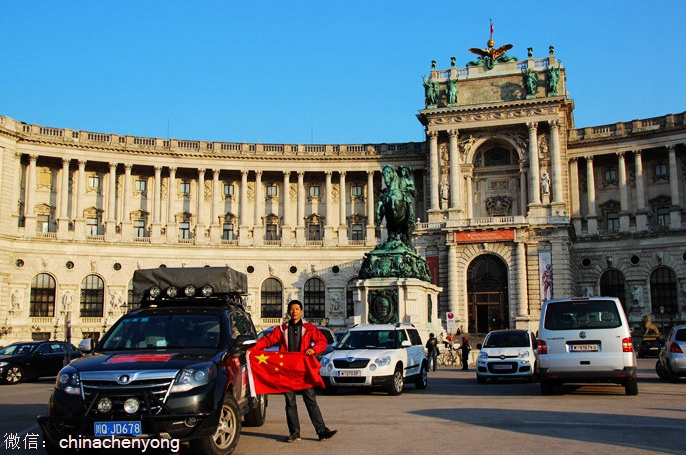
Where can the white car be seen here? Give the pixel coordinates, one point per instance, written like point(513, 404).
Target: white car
point(507, 354)
point(377, 356)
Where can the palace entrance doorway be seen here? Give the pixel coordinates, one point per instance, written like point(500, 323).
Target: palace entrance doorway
point(487, 298)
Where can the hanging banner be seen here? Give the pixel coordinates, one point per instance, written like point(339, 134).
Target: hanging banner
point(545, 268)
point(485, 236)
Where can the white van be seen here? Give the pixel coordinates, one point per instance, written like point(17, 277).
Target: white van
point(585, 340)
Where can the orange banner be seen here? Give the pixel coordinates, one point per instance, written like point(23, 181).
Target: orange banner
point(484, 236)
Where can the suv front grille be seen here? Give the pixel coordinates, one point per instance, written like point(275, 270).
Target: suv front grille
point(150, 388)
point(352, 363)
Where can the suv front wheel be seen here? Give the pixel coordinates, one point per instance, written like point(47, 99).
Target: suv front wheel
point(397, 382)
point(225, 438)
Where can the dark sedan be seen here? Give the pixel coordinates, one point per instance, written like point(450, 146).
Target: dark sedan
point(33, 359)
point(649, 348)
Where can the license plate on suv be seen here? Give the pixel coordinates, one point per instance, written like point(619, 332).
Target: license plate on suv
point(132, 428)
point(583, 348)
point(349, 373)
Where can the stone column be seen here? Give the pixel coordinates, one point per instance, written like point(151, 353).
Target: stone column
point(534, 167)
point(79, 220)
point(200, 229)
point(328, 210)
point(556, 162)
point(590, 184)
point(675, 210)
point(300, 221)
point(63, 220)
point(470, 199)
point(522, 294)
point(641, 212)
point(156, 230)
point(258, 223)
point(111, 223)
point(623, 194)
point(453, 294)
point(29, 208)
point(244, 229)
point(455, 178)
point(343, 222)
point(574, 200)
point(287, 228)
point(523, 193)
point(172, 226)
point(370, 234)
point(215, 224)
point(434, 171)
point(124, 217)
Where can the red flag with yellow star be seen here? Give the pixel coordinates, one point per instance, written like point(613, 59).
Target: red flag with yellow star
point(279, 372)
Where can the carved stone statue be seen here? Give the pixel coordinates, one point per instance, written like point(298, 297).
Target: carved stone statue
point(451, 92)
point(650, 327)
point(553, 79)
point(17, 299)
point(545, 183)
point(530, 82)
point(637, 295)
point(430, 91)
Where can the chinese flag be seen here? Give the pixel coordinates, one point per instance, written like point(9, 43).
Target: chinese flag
point(279, 372)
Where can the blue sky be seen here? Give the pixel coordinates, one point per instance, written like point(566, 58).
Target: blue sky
point(315, 71)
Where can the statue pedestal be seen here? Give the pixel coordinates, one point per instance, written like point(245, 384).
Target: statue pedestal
point(393, 300)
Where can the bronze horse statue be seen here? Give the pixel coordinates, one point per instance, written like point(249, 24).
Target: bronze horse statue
point(396, 204)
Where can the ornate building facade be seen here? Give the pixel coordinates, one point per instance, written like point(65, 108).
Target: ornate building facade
point(515, 206)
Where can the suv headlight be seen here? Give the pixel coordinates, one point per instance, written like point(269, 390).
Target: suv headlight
point(483, 355)
point(383, 361)
point(3, 364)
point(68, 381)
point(190, 378)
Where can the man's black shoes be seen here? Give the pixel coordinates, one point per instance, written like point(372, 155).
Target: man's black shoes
point(295, 436)
point(327, 434)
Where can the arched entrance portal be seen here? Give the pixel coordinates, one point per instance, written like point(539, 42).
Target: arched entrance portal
point(487, 294)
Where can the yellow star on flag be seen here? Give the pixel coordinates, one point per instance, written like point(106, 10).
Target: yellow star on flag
point(262, 358)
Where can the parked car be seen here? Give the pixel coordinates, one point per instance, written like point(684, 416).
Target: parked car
point(649, 348)
point(28, 360)
point(671, 363)
point(585, 339)
point(330, 340)
point(507, 354)
point(377, 356)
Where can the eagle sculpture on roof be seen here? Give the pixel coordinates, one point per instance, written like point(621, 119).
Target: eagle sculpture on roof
point(491, 54)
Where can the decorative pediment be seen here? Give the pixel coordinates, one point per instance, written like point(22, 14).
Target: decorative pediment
point(43, 209)
point(183, 217)
point(138, 215)
point(500, 205)
point(92, 212)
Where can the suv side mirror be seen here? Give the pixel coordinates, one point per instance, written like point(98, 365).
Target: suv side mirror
point(244, 341)
point(86, 345)
point(406, 343)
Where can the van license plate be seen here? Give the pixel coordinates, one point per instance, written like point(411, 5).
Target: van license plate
point(583, 347)
point(349, 373)
point(132, 428)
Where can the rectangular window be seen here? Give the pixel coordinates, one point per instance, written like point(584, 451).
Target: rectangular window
point(139, 228)
point(92, 226)
point(43, 223)
point(184, 230)
point(314, 232)
point(662, 216)
point(228, 232)
point(271, 232)
point(272, 190)
point(140, 185)
point(610, 176)
point(185, 188)
point(613, 221)
point(357, 232)
point(228, 190)
point(94, 182)
point(660, 170)
point(314, 191)
point(357, 191)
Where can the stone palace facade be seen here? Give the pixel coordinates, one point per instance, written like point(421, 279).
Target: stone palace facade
point(515, 206)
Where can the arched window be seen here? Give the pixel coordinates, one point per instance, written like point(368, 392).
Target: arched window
point(271, 297)
point(92, 297)
point(612, 284)
point(349, 301)
point(663, 290)
point(314, 299)
point(42, 296)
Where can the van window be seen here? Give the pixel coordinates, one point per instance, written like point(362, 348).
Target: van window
point(573, 314)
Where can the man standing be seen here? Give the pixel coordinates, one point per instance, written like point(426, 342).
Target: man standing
point(297, 335)
point(432, 351)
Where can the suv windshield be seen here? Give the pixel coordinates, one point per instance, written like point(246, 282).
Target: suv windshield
point(582, 314)
point(507, 340)
point(165, 331)
point(372, 339)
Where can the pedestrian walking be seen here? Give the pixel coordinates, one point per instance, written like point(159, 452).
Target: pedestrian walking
point(432, 351)
point(464, 353)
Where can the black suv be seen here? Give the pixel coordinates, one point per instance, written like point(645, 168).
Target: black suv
point(174, 369)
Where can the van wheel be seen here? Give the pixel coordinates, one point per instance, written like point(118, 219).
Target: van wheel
point(547, 387)
point(258, 413)
point(631, 386)
point(225, 438)
point(397, 382)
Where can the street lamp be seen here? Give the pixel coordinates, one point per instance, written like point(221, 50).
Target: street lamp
point(662, 320)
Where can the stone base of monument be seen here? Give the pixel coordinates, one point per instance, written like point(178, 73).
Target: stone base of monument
point(394, 300)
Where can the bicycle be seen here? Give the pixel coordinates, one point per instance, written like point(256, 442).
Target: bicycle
point(449, 357)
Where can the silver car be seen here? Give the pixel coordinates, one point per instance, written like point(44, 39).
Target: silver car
point(671, 363)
